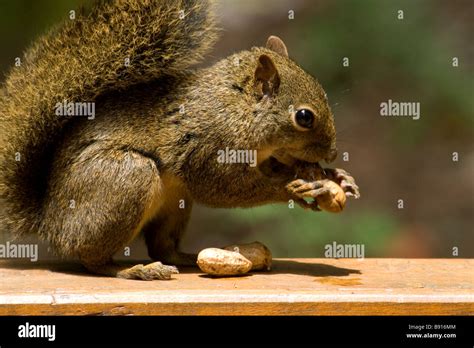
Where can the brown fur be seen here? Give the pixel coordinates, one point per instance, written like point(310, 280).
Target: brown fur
point(128, 169)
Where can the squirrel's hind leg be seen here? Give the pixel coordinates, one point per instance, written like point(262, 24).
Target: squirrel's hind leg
point(164, 232)
point(115, 193)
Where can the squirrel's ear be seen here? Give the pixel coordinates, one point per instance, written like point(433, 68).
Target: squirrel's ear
point(267, 80)
point(277, 45)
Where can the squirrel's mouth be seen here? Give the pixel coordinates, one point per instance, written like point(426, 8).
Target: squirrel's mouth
point(290, 157)
point(283, 161)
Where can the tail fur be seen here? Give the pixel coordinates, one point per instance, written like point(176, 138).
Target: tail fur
point(77, 61)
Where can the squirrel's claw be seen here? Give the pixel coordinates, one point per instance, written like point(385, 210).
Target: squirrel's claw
point(345, 180)
point(307, 189)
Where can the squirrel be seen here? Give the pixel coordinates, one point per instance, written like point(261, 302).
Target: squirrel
point(90, 185)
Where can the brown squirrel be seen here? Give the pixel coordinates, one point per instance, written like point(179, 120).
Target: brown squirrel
point(89, 186)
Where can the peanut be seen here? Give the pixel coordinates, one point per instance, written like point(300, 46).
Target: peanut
point(219, 262)
point(256, 252)
point(336, 199)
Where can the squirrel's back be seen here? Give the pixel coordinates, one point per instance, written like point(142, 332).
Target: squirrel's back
point(112, 47)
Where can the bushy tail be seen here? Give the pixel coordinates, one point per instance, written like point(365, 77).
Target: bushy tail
point(113, 46)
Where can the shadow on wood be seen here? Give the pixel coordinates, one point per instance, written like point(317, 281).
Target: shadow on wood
point(278, 267)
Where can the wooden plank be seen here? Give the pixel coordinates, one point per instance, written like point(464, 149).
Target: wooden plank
point(293, 287)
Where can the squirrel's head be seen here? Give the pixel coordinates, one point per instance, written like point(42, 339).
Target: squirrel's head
point(292, 107)
point(271, 104)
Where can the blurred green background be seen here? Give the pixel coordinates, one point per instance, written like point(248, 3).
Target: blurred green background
point(392, 158)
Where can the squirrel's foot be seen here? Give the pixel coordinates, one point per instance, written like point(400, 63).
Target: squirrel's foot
point(345, 180)
point(151, 271)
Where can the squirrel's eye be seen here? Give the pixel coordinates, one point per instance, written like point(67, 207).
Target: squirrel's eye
point(304, 118)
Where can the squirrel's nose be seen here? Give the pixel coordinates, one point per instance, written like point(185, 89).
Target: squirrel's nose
point(331, 155)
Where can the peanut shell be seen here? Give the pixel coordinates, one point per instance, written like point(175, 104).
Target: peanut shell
point(256, 252)
point(220, 262)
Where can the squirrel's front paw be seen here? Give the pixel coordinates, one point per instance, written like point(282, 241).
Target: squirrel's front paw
point(345, 180)
point(327, 194)
point(306, 189)
point(300, 189)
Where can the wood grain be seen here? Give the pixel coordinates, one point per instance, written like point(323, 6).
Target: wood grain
point(293, 287)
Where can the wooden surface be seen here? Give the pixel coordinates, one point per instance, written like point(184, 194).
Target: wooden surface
point(293, 287)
